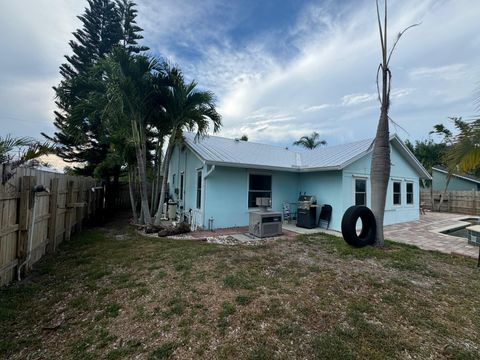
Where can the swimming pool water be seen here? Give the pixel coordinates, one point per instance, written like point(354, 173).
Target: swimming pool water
point(462, 232)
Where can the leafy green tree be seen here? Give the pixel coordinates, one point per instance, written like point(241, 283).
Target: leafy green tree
point(462, 154)
point(186, 108)
point(311, 141)
point(428, 152)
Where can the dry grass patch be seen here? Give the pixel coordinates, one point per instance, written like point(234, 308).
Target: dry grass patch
point(312, 297)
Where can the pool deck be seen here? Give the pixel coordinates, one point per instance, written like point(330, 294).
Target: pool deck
point(426, 233)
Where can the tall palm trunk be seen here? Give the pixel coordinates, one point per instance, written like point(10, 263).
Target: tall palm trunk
point(142, 174)
point(380, 167)
point(442, 195)
point(380, 170)
point(163, 192)
point(158, 168)
point(140, 151)
point(131, 190)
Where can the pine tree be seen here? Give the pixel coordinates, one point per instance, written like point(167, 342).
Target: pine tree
point(105, 25)
point(130, 30)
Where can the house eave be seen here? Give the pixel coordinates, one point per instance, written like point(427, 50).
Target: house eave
point(456, 175)
point(413, 160)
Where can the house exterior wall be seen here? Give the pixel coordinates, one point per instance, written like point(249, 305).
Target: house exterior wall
point(439, 180)
point(226, 194)
point(184, 160)
point(327, 188)
point(401, 171)
point(225, 189)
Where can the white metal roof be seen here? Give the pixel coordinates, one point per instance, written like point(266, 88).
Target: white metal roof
point(215, 149)
point(237, 153)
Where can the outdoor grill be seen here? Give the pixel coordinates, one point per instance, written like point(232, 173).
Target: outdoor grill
point(307, 211)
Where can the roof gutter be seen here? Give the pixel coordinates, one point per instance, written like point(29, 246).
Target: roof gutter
point(273, 168)
point(212, 169)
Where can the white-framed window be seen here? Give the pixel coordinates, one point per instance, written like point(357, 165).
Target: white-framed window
point(259, 185)
point(360, 191)
point(199, 189)
point(409, 193)
point(397, 193)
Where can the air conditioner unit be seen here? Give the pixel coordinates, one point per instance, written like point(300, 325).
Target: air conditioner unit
point(265, 223)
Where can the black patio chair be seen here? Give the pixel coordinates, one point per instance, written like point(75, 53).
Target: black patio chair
point(325, 216)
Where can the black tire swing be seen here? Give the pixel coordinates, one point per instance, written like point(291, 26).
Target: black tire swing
point(369, 227)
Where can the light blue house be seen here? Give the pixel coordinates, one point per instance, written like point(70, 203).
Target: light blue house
point(218, 179)
point(457, 182)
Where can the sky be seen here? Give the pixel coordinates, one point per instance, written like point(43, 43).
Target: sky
point(279, 69)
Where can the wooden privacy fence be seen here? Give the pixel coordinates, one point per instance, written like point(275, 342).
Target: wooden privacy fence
point(460, 202)
point(34, 223)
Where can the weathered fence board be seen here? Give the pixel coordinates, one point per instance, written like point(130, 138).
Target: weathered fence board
point(32, 224)
point(460, 202)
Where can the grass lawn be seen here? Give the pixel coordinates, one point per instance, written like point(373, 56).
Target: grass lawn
point(103, 296)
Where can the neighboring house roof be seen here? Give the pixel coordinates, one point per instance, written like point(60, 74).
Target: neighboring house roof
point(467, 177)
point(216, 150)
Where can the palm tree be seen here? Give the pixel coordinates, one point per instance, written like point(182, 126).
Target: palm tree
point(380, 168)
point(464, 152)
point(310, 141)
point(186, 108)
point(15, 151)
point(131, 83)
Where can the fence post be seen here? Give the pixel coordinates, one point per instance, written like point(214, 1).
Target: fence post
point(52, 221)
point(68, 213)
point(24, 216)
point(449, 208)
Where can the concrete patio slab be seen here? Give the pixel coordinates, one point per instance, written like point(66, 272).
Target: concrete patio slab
point(426, 233)
point(299, 230)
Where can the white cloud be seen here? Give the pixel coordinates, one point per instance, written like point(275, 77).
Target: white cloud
point(447, 72)
point(325, 83)
point(356, 99)
point(339, 56)
point(317, 107)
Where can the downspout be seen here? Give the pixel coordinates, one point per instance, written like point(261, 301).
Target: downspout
point(212, 169)
point(209, 172)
